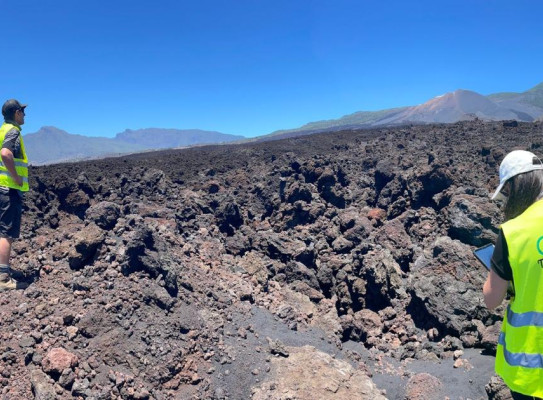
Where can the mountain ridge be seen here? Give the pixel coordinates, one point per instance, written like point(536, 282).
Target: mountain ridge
point(523, 106)
point(459, 105)
point(160, 138)
point(51, 144)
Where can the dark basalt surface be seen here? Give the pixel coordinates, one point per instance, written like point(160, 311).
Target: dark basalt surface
point(188, 274)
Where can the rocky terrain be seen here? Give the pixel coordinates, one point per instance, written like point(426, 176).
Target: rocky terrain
point(331, 266)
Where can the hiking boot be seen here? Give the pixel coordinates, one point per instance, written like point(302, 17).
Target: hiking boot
point(12, 284)
point(7, 282)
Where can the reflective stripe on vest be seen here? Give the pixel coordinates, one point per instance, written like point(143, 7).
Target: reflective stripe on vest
point(524, 360)
point(16, 163)
point(531, 318)
point(6, 173)
point(519, 356)
point(21, 164)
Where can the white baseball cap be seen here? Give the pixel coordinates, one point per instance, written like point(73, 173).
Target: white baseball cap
point(514, 163)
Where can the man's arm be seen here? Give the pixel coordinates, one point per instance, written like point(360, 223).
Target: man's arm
point(7, 159)
point(497, 282)
point(494, 290)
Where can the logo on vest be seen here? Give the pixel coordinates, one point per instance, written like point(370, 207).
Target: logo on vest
point(540, 251)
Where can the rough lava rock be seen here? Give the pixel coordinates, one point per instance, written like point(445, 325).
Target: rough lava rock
point(164, 273)
point(57, 360)
point(104, 214)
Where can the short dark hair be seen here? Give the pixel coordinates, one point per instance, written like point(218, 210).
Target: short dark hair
point(10, 115)
point(525, 189)
point(10, 107)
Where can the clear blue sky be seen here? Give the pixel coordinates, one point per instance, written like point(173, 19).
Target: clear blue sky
point(250, 67)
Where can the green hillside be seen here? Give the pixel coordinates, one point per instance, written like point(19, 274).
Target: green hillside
point(358, 118)
point(533, 96)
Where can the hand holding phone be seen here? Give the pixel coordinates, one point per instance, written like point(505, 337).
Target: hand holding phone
point(484, 254)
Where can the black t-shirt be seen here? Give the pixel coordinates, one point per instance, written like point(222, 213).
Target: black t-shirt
point(500, 259)
point(12, 142)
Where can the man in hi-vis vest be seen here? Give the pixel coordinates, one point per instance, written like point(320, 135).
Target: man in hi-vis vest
point(13, 183)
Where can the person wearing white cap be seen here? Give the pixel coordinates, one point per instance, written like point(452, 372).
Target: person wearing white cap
point(518, 261)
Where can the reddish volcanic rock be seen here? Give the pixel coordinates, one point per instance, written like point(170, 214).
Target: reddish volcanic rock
point(57, 360)
point(377, 214)
point(423, 387)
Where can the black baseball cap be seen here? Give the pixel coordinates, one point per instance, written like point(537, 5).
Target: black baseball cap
point(11, 106)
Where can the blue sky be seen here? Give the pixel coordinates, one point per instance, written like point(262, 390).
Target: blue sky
point(251, 67)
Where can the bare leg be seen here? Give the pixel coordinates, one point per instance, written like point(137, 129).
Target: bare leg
point(5, 250)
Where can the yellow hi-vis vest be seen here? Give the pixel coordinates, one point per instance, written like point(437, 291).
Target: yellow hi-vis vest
point(21, 164)
point(519, 358)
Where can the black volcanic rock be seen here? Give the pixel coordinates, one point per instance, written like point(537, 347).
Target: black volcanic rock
point(357, 243)
point(104, 214)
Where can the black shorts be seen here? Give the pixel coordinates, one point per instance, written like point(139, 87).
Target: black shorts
point(519, 396)
point(11, 209)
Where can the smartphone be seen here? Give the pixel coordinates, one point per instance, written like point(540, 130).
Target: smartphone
point(484, 254)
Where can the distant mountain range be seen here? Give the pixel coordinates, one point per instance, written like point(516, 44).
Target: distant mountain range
point(154, 138)
point(51, 144)
point(451, 107)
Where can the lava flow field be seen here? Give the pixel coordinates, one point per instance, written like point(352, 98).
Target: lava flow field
point(330, 266)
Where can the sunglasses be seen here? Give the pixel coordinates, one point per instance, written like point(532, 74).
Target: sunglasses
point(22, 110)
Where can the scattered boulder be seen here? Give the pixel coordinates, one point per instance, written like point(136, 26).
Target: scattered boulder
point(447, 298)
point(497, 389)
point(41, 388)
point(423, 386)
point(104, 214)
point(229, 217)
point(155, 180)
point(278, 348)
point(84, 246)
point(309, 374)
point(471, 220)
point(366, 324)
point(57, 360)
